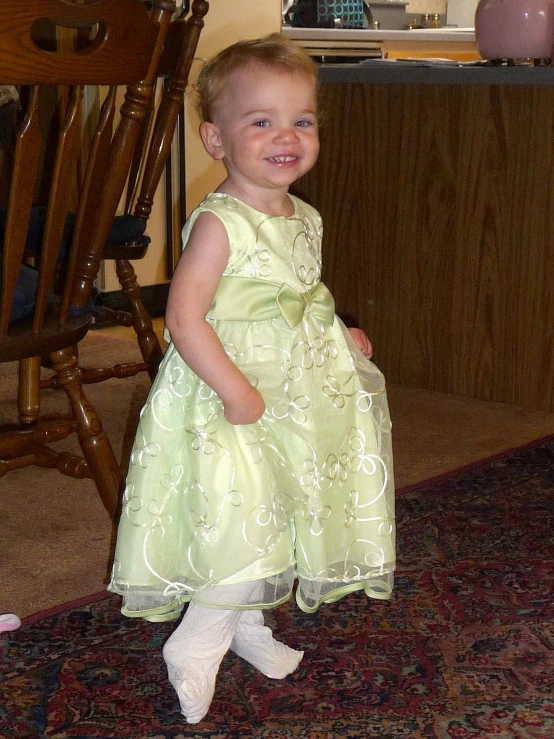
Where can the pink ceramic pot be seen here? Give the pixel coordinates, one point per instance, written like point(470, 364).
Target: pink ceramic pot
point(515, 29)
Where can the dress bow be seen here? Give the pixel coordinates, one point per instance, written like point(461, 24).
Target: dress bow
point(294, 305)
point(252, 299)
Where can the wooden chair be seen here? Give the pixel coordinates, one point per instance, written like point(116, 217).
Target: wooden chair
point(148, 165)
point(125, 50)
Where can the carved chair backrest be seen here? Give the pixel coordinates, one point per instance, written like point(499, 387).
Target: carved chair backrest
point(173, 72)
point(126, 50)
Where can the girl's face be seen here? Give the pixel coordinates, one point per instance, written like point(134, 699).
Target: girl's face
point(265, 128)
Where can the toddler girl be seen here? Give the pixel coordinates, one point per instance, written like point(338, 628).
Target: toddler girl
point(263, 451)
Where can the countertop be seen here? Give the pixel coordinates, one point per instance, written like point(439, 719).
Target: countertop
point(372, 35)
point(412, 73)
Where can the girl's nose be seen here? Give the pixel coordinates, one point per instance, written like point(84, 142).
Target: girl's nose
point(286, 134)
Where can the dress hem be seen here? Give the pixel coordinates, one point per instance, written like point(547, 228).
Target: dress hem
point(173, 610)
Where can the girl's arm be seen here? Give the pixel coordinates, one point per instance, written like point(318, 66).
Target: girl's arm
point(191, 292)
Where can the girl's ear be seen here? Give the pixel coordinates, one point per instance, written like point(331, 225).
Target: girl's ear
point(211, 140)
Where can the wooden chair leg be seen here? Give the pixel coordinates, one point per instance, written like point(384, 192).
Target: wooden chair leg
point(147, 339)
point(28, 399)
point(94, 443)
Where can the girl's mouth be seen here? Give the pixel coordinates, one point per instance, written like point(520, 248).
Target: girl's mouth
point(283, 159)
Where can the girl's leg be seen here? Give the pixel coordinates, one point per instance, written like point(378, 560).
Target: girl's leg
point(194, 651)
point(254, 642)
point(193, 654)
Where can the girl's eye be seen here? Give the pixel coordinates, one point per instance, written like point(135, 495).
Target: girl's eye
point(261, 124)
point(304, 124)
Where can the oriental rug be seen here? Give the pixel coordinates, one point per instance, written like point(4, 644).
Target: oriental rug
point(465, 650)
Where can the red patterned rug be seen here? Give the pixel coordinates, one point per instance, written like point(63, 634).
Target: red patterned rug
point(464, 651)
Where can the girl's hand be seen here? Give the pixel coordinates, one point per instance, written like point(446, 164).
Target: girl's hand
point(361, 341)
point(248, 407)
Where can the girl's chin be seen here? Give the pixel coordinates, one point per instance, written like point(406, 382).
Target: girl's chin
point(283, 174)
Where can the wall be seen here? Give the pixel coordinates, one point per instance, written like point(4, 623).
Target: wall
point(226, 22)
point(416, 8)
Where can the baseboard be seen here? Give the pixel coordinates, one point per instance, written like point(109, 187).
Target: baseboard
point(154, 298)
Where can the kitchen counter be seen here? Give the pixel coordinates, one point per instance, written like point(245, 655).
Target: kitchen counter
point(435, 187)
point(418, 73)
point(452, 43)
point(456, 35)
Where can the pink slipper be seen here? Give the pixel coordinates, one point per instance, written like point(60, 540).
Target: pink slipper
point(9, 622)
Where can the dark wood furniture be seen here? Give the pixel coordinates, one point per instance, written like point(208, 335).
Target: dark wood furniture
point(435, 187)
point(151, 155)
point(126, 50)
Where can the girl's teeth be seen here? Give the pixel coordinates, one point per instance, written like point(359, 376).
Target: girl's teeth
point(281, 160)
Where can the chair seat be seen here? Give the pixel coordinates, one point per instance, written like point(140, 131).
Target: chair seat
point(130, 250)
point(126, 236)
point(22, 344)
point(126, 227)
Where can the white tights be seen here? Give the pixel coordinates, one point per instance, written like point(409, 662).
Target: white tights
point(195, 649)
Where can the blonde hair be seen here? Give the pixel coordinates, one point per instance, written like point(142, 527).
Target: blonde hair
point(273, 51)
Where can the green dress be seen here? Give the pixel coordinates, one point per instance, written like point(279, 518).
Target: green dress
point(304, 493)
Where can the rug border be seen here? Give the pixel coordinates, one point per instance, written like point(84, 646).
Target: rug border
point(102, 595)
point(474, 465)
point(63, 607)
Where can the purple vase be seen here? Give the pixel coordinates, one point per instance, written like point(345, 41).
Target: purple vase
point(515, 29)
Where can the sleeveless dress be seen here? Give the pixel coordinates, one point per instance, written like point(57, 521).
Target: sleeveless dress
point(306, 492)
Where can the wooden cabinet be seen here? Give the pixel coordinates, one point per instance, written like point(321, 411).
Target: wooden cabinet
point(439, 232)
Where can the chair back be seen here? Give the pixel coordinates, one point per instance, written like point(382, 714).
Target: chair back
point(116, 56)
point(173, 73)
point(151, 155)
point(126, 50)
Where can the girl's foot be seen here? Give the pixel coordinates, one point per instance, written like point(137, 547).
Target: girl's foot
point(195, 691)
point(193, 654)
point(254, 642)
